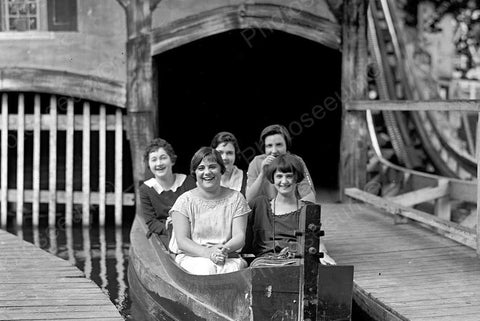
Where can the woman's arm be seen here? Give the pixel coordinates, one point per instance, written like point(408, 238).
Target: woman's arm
point(153, 223)
point(306, 188)
point(237, 241)
point(181, 226)
point(256, 181)
point(254, 190)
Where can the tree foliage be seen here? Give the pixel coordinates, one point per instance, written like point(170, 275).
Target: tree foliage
point(467, 30)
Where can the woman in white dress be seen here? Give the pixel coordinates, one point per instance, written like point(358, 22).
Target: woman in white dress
point(209, 221)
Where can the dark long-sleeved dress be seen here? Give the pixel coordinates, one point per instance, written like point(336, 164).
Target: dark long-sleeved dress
point(261, 223)
point(156, 202)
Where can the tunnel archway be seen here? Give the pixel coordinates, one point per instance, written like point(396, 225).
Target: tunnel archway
point(226, 82)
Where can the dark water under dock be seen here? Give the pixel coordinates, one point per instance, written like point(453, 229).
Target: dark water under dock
point(102, 254)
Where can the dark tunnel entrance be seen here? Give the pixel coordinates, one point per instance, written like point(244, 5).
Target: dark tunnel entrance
point(243, 80)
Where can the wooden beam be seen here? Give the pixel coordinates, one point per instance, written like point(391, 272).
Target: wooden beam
point(4, 162)
point(110, 198)
point(140, 102)
point(451, 230)
point(422, 195)
point(248, 17)
point(154, 4)
point(409, 105)
point(64, 83)
point(478, 182)
point(63, 122)
point(123, 3)
point(354, 140)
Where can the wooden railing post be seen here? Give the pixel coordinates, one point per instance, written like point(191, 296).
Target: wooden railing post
point(478, 181)
point(4, 163)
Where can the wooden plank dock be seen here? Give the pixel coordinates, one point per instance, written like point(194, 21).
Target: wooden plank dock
point(402, 271)
point(36, 285)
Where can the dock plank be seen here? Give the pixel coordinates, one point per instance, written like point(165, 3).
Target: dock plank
point(36, 285)
point(402, 271)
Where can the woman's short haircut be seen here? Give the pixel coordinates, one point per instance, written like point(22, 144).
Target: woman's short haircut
point(285, 163)
point(224, 138)
point(208, 153)
point(155, 145)
point(273, 130)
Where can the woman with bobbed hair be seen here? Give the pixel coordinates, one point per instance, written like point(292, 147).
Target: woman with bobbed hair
point(158, 194)
point(227, 145)
point(275, 220)
point(209, 221)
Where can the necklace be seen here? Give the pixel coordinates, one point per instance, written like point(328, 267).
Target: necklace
point(273, 221)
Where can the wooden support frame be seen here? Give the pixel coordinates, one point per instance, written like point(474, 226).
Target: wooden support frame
point(140, 101)
point(451, 230)
point(414, 105)
point(422, 195)
point(436, 105)
point(478, 186)
point(353, 145)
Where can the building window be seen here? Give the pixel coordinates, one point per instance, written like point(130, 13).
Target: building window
point(38, 15)
point(20, 15)
point(62, 15)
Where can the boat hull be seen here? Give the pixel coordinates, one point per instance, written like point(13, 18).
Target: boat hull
point(165, 291)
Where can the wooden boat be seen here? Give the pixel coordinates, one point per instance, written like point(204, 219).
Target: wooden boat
point(305, 290)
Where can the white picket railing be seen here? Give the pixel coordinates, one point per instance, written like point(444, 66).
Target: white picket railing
point(62, 116)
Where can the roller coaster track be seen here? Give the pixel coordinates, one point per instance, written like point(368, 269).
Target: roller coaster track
point(420, 140)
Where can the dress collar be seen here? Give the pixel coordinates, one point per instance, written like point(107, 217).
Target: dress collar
point(179, 179)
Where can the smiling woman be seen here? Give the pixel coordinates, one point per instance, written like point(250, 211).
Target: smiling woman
point(275, 220)
point(209, 221)
point(160, 192)
point(227, 145)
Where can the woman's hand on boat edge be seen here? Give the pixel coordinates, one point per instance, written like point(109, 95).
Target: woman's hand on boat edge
point(327, 260)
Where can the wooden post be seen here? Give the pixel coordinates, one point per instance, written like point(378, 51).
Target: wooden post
point(4, 163)
point(36, 163)
point(86, 165)
point(353, 146)
point(443, 207)
point(69, 163)
point(52, 165)
point(478, 183)
point(102, 174)
point(20, 158)
point(118, 167)
point(140, 102)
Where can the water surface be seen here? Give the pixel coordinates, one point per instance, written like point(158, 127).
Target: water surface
point(102, 254)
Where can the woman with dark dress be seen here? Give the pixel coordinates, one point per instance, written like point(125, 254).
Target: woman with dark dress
point(159, 193)
point(275, 220)
point(227, 145)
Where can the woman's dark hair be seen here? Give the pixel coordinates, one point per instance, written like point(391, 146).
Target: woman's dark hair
point(224, 138)
point(273, 130)
point(285, 163)
point(157, 143)
point(210, 154)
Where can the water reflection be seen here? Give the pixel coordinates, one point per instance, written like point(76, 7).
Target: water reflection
point(100, 252)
